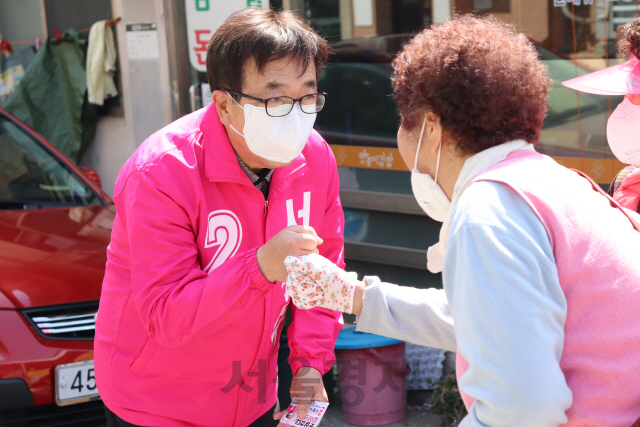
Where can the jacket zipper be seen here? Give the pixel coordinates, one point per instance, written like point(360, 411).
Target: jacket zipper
point(266, 202)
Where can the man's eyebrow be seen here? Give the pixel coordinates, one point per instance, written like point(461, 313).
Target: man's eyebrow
point(275, 85)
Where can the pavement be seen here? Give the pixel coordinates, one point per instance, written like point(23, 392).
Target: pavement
point(419, 413)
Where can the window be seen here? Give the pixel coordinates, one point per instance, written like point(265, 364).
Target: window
point(573, 39)
point(31, 177)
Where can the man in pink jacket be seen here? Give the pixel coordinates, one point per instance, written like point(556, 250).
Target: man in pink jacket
point(208, 208)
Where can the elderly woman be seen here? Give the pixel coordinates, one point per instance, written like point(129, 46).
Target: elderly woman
point(540, 269)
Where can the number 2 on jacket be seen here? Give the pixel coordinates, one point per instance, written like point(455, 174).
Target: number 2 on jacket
point(224, 231)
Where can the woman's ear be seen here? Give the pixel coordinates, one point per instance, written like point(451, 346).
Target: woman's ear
point(222, 101)
point(433, 134)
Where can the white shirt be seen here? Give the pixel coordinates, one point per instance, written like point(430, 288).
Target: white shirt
point(501, 289)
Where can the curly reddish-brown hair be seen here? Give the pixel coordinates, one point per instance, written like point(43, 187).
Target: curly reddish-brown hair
point(628, 38)
point(485, 81)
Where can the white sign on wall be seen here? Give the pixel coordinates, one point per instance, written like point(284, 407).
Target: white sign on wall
point(203, 19)
point(363, 13)
point(206, 94)
point(142, 41)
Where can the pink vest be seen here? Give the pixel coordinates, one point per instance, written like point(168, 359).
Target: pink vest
point(596, 251)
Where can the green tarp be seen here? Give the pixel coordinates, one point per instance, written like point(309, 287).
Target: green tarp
point(52, 95)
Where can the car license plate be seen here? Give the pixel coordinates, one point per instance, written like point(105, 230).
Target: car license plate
point(75, 383)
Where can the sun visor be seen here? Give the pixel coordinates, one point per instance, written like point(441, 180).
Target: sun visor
point(621, 79)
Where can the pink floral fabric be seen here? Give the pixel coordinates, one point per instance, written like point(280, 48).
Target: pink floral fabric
point(314, 281)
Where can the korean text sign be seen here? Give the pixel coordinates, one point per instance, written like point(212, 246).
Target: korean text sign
point(203, 19)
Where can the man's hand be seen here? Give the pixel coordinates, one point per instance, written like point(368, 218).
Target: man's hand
point(306, 386)
point(358, 297)
point(295, 240)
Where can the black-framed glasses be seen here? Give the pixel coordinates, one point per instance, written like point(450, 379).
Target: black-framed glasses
point(279, 106)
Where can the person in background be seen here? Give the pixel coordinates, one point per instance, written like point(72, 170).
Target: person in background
point(623, 128)
point(208, 208)
point(627, 191)
point(541, 281)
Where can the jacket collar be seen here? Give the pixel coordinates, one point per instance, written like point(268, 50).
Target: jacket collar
point(220, 159)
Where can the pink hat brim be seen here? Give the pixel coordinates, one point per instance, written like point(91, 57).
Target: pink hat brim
point(621, 79)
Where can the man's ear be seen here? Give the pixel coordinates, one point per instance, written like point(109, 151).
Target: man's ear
point(222, 101)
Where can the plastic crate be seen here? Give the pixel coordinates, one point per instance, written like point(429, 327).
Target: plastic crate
point(426, 364)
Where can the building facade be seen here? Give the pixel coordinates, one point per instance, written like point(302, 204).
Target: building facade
point(161, 76)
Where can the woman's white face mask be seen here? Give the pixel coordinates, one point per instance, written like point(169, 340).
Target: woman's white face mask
point(623, 130)
point(426, 190)
point(278, 139)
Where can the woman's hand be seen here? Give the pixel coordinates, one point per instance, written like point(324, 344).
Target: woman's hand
point(314, 281)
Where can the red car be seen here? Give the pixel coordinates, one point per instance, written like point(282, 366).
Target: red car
point(55, 225)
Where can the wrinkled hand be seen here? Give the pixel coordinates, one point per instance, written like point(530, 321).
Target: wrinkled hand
point(295, 240)
point(314, 281)
point(307, 386)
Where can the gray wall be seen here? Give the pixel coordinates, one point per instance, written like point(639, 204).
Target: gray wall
point(77, 14)
point(145, 85)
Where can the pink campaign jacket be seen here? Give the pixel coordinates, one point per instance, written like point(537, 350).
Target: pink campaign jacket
point(188, 328)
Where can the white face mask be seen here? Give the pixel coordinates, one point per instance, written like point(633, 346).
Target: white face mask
point(278, 139)
point(623, 132)
point(426, 190)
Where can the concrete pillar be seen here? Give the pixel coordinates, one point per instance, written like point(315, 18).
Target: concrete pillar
point(364, 18)
point(346, 20)
point(146, 93)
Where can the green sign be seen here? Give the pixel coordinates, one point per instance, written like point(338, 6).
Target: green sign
point(254, 3)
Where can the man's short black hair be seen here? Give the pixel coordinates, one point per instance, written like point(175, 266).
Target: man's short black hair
point(261, 35)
